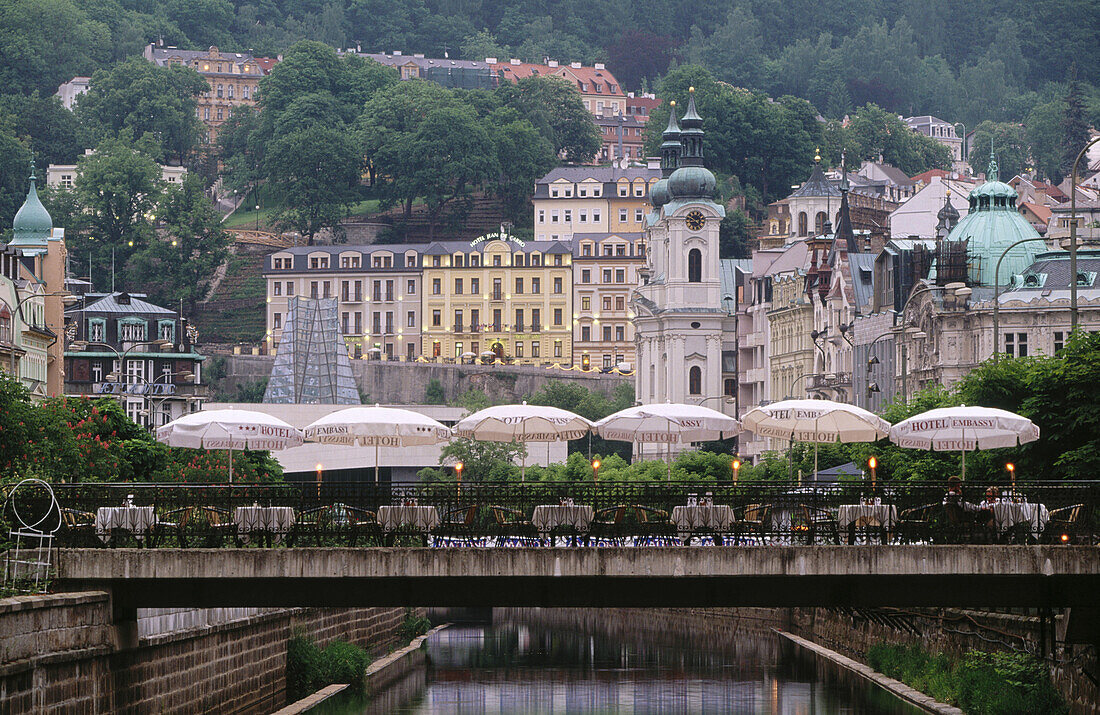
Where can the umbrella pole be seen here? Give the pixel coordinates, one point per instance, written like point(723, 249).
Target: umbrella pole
point(815, 462)
point(230, 462)
point(523, 465)
point(668, 459)
point(376, 462)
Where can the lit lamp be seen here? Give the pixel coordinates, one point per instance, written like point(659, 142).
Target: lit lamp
point(736, 468)
point(458, 476)
point(320, 467)
point(1011, 474)
point(595, 470)
point(872, 463)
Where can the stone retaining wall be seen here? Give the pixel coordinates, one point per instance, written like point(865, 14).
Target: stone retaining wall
point(58, 653)
point(955, 631)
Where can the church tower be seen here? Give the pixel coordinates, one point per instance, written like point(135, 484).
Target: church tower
point(678, 308)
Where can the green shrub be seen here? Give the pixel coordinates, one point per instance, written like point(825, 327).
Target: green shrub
point(308, 668)
point(345, 663)
point(304, 667)
point(980, 683)
point(412, 627)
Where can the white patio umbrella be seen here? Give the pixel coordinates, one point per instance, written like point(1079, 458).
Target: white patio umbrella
point(378, 427)
point(964, 428)
point(229, 429)
point(670, 422)
point(523, 423)
point(817, 421)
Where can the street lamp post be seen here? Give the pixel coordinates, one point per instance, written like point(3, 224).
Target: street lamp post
point(148, 411)
point(1073, 237)
point(997, 295)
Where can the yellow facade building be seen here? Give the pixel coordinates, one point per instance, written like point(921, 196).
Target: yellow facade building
point(605, 271)
point(504, 297)
point(591, 199)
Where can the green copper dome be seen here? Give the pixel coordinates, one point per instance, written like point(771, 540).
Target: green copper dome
point(32, 225)
point(991, 226)
point(659, 195)
point(691, 182)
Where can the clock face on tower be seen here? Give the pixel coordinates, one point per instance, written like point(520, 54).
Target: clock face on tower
point(696, 221)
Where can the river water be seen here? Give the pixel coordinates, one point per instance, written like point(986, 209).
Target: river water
point(516, 668)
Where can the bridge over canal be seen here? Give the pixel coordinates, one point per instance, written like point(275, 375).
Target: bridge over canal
point(1056, 576)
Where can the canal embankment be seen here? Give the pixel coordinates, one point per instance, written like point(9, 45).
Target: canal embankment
point(65, 652)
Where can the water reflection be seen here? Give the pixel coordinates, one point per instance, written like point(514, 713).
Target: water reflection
point(512, 668)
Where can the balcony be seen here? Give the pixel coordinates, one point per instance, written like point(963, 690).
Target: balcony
point(458, 328)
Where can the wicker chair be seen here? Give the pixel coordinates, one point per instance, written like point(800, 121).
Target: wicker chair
point(335, 519)
point(915, 524)
point(78, 527)
point(819, 521)
point(460, 522)
point(754, 519)
point(511, 522)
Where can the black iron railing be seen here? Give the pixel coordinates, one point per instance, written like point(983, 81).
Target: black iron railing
point(632, 513)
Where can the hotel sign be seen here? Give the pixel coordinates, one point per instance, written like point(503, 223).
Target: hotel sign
point(498, 236)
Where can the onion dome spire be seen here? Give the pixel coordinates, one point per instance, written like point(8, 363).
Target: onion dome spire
point(670, 147)
point(32, 225)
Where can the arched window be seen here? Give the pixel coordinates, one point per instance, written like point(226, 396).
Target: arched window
point(819, 222)
point(695, 380)
point(695, 266)
point(802, 224)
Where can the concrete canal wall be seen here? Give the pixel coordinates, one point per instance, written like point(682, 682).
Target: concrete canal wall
point(62, 653)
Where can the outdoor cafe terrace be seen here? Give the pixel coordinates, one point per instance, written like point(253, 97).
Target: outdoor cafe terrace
point(585, 515)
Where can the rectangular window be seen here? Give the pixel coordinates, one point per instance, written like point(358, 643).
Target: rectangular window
point(437, 286)
point(535, 349)
point(623, 190)
point(595, 215)
point(607, 275)
point(586, 333)
point(1010, 345)
point(458, 286)
point(1059, 340)
point(620, 249)
point(638, 214)
point(277, 321)
point(313, 289)
point(586, 249)
point(389, 290)
point(410, 351)
point(326, 289)
point(498, 290)
point(277, 288)
point(536, 319)
point(475, 286)
point(519, 350)
point(622, 215)
point(558, 259)
point(620, 275)
point(536, 285)
point(475, 321)
point(519, 286)
point(619, 301)
point(583, 215)
point(437, 318)
point(345, 323)
point(289, 288)
point(557, 348)
point(568, 215)
point(620, 333)
point(410, 287)
point(607, 333)
point(608, 250)
point(389, 322)
point(436, 261)
point(607, 302)
point(376, 291)
point(410, 321)
point(542, 215)
point(557, 285)
point(497, 322)
point(518, 327)
point(376, 323)
point(1021, 344)
point(458, 321)
point(358, 323)
point(554, 216)
point(557, 316)
point(345, 291)
point(358, 291)
point(586, 276)
point(586, 302)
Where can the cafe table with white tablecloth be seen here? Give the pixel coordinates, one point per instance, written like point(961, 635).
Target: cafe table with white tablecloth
point(884, 515)
point(696, 517)
point(274, 520)
point(1007, 514)
point(419, 518)
point(137, 520)
point(548, 517)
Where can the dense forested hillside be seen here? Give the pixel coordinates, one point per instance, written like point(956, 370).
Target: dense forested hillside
point(966, 60)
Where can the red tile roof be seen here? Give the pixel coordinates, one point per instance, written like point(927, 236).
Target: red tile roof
point(925, 177)
point(266, 63)
point(577, 75)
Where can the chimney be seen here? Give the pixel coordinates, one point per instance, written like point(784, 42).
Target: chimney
point(575, 65)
